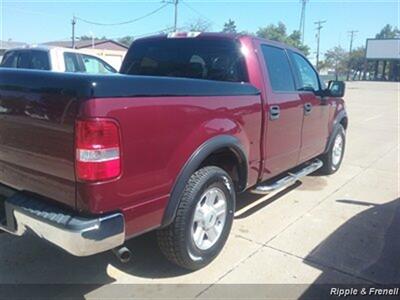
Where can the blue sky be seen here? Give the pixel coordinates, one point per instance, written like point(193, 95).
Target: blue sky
point(36, 21)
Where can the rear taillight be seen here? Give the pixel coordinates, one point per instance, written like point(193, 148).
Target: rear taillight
point(98, 149)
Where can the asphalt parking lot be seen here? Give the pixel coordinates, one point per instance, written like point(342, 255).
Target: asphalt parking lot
point(339, 229)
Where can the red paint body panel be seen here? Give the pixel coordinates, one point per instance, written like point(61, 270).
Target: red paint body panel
point(158, 137)
point(282, 137)
point(315, 131)
point(37, 144)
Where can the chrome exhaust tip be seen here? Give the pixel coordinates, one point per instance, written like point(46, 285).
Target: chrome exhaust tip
point(123, 254)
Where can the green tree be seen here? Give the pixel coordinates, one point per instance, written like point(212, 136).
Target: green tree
point(294, 39)
point(279, 33)
point(229, 27)
point(245, 32)
point(126, 40)
point(336, 59)
point(356, 61)
point(84, 38)
point(89, 38)
point(273, 32)
point(388, 32)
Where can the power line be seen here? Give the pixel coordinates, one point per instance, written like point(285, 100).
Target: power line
point(125, 22)
point(160, 31)
point(196, 11)
point(74, 19)
point(154, 32)
point(175, 3)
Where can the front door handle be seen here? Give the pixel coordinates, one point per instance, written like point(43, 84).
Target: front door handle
point(274, 112)
point(307, 108)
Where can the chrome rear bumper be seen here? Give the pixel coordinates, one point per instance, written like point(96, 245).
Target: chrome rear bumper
point(79, 235)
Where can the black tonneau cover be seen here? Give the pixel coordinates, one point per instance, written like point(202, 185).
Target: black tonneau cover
point(117, 85)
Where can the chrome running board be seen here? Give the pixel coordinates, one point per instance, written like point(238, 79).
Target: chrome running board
point(290, 179)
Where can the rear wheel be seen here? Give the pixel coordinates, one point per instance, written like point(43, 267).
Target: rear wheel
point(203, 220)
point(333, 158)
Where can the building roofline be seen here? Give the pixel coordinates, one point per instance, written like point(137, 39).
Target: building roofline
point(82, 44)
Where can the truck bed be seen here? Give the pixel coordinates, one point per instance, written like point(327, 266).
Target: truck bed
point(38, 110)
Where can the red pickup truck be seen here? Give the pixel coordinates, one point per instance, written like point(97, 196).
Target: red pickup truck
point(89, 161)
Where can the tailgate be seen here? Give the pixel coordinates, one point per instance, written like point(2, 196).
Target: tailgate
point(37, 134)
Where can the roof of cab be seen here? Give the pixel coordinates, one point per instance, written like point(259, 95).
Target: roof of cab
point(44, 48)
point(219, 35)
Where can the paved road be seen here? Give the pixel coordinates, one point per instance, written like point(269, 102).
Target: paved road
point(339, 229)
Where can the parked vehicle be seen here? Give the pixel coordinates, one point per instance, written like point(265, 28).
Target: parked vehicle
point(89, 161)
point(55, 59)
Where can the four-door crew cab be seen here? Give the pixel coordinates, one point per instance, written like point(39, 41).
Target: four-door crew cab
point(89, 161)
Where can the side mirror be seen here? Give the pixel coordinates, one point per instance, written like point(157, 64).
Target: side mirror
point(335, 88)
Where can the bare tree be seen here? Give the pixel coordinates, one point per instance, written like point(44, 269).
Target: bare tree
point(199, 24)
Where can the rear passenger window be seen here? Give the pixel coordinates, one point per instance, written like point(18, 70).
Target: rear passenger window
point(10, 60)
point(39, 60)
point(24, 60)
point(280, 74)
point(71, 62)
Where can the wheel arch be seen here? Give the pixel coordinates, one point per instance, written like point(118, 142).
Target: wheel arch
point(344, 122)
point(340, 119)
point(227, 146)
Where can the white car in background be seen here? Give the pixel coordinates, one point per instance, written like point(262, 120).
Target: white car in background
point(55, 59)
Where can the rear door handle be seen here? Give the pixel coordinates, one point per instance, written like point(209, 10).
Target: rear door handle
point(274, 112)
point(307, 108)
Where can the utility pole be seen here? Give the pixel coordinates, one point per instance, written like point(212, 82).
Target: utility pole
point(352, 32)
point(176, 15)
point(302, 19)
point(319, 27)
point(73, 31)
point(92, 35)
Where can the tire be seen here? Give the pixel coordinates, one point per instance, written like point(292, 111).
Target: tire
point(331, 159)
point(180, 242)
